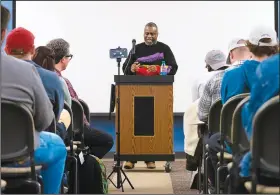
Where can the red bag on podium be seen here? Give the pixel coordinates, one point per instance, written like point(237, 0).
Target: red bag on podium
point(143, 70)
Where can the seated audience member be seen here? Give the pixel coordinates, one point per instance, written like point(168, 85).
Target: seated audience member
point(20, 44)
point(98, 141)
point(44, 57)
point(262, 43)
point(191, 142)
point(211, 93)
point(216, 60)
point(50, 151)
point(199, 83)
point(243, 76)
point(238, 53)
point(265, 86)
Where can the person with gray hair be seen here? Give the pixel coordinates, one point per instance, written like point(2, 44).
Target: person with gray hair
point(99, 142)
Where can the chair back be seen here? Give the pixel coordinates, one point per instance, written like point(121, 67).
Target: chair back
point(70, 134)
point(52, 127)
point(17, 132)
point(227, 114)
point(239, 139)
point(214, 116)
point(86, 109)
point(78, 117)
point(266, 139)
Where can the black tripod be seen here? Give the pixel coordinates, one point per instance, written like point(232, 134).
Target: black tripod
point(117, 166)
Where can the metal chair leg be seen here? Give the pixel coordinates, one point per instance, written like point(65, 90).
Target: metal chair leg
point(74, 170)
point(40, 180)
point(218, 175)
point(206, 173)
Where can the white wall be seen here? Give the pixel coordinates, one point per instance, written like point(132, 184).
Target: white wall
point(191, 29)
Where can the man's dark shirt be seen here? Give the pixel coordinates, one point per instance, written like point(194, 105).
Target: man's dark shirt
point(151, 55)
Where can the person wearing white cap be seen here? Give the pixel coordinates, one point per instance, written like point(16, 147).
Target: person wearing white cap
point(214, 60)
point(262, 43)
point(238, 52)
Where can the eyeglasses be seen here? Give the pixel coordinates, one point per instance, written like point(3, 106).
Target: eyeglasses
point(70, 56)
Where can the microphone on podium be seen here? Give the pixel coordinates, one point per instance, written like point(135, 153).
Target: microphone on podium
point(130, 55)
point(133, 46)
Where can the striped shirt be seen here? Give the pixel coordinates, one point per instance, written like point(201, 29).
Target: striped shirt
point(211, 93)
point(73, 94)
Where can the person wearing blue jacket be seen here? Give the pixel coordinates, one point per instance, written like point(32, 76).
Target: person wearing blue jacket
point(265, 87)
point(262, 43)
point(260, 76)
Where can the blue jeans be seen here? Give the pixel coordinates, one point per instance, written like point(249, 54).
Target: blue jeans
point(52, 155)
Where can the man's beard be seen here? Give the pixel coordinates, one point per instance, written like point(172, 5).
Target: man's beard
point(151, 43)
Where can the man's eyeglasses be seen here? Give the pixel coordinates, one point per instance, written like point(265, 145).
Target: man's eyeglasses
point(70, 56)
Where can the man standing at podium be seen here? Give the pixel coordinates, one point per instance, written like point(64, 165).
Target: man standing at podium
point(150, 53)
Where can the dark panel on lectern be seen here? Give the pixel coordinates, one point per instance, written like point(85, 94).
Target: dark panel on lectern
point(144, 116)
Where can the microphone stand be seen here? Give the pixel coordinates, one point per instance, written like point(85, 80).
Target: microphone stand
point(130, 57)
point(117, 166)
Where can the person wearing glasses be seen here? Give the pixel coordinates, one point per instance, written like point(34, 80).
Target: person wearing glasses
point(149, 54)
point(99, 142)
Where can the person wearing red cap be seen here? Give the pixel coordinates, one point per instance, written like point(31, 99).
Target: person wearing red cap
point(22, 84)
point(20, 44)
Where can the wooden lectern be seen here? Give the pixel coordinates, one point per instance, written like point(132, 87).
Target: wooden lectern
point(146, 117)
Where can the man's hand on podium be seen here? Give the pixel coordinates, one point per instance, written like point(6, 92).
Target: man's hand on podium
point(152, 68)
point(135, 66)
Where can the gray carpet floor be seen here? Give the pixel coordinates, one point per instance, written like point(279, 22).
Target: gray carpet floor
point(181, 179)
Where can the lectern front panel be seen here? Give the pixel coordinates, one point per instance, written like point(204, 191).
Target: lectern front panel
point(135, 133)
point(144, 116)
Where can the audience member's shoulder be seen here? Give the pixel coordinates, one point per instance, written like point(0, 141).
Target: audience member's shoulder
point(270, 65)
point(232, 70)
point(250, 63)
point(51, 75)
point(18, 65)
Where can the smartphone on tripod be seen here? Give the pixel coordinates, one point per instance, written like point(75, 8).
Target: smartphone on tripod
point(118, 53)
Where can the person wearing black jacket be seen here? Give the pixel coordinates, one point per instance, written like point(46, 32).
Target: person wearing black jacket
point(151, 52)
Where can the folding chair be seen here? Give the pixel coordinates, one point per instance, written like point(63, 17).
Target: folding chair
point(71, 155)
point(17, 144)
point(240, 143)
point(265, 147)
point(85, 108)
point(203, 130)
point(213, 127)
point(78, 127)
point(225, 130)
